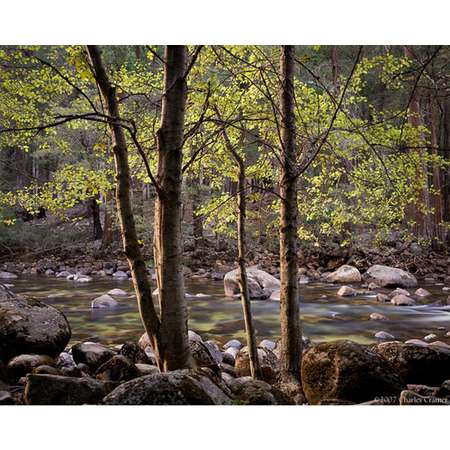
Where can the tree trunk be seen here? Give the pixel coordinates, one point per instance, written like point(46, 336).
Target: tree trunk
point(335, 68)
point(128, 228)
point(168, 246)
point(289, 297)
point(107, 221)
point(97, 232)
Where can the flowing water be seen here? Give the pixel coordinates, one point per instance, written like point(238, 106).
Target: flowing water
point(325, 316)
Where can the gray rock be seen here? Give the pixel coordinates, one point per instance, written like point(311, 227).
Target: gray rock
point(383, 298)
point(347, 291)
point(377, 316)
point(402, 300)
point(7, 275)
point(384, 336)
point(345, 274)
point(386, 276)
point(261, 284)
point(118, 292)
point(268, 344)
point(422, 292)
point(233, 343)
point(268, 363)
point(92, 354)
point(118, 368)
point(105, 301)
point(120, 274)
point(430, 337)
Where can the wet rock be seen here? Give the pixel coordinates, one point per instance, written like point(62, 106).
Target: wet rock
point(386, 276)
point(59, 390)
point(377, 316)
point(383, 298)
point(91, 354)
point(21, 365)
point(49, 273)
point(104, 301)
point(345, 274)
point(422, 292)
point(347, 371)
point(347, 291)
point(80, 278)
point(384, 336)
point(181, 387)
point(7, 275)
point(411, 398)
point(267, 360)
point(118, 368)
point(28, 326)
point(120, 275)
point(417, 364)
point(402, 300)
point(261, 284)
point(117, 292)
point(232, 343)
point(63, 274)
point(399, 291)
point(303, 279)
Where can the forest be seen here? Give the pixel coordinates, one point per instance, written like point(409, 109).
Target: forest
point(225, 225)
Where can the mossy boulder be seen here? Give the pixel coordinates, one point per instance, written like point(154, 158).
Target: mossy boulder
point(344, 370)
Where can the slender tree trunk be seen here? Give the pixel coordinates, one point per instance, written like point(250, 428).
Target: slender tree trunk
point(107, 221)
point(289, 296)
point(168, 246)
point(128, 228)
point(97, 232)
point(255, 369)
point(335, 67)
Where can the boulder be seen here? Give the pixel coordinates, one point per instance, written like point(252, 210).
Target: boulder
point(252, 392)
point(120, 274)
point(386, 276)
point(385, 336)
point(146, 369)
point(180, 387)
point(21, 365)
point(275, 296)
point(91, 354)
point(58, 390)
point(402, 300)
point(260, 284)
point(214, 350)
point(46, 369)
point(232, 343)
point(267, 360)
point(398, 291)
point(28, 326)
point(117, 292)
point(118, 368)
point(134, 353)
point(347, 371)
point(417, 364)
point(347, 291)
point(202, 354)
point(268, 344)
point(345, 274)
point(377, 316)
point(229, 355)
point(383, 298)
point(422, 292)
point(7, 275)
point(104, 301)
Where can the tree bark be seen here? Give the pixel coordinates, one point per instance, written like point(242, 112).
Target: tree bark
point(97, 231)
point(168, 248)
point(128, 228)
point(107, 221)
point(289, 296)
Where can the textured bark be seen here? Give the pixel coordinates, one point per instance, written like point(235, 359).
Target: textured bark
point(168, 246)
point(107, 221)
point(255, 369)
point(97, 231)
point(289, 295)
point(128, 228)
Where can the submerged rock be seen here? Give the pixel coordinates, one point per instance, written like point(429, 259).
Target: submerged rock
point(345, 274)
point(260, 284)
point(386, 276)
point(28, 326)
point(104, 301)
point(344, 370)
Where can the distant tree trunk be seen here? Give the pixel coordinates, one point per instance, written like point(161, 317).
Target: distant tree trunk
point(255, 369)
point(107, 221)
point(289, 296)
point(97, 232)
point(197, 219)
point(335, 68)
point(130, 240)
point(168, 245)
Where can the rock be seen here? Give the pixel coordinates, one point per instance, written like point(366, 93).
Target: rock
point(260, 284)
point(28, 326)
point(80, 278)
point(275, 296)
point(45, 369)
point(416, 342)
point(430, 337)
point(63, 274)
point(6, 398)
point(439, 345)
point(21, 365)
point(229, 355)
point(347, 291)
point(384, 336)
point(7, 275)
point(383, 298)
point(91, 353)
point(402, 300)
point(422, 389)
point(377, 316)
point(303, 279)
point(180, 387)
point(232, 343)
point(444, 389)
point(254, 392)
point(193, 336)
point(422, 292)
point(118, 368)
point(227, 368)
point(117, 292)
point(147, 369)
point(134, 353)
point(347, 371)
point(412, 398)
point(202, 354)
point(65, 360)
point(386, 276)
point(373, 287)
point(267, 360)
point(104, 301)
point(417, 364)
point(214, 350)
point(58, 390)
point(345, 274)
point(399, 291)
point(268, 344)
point(49, 273)
point(4, 378)
point(120, 275)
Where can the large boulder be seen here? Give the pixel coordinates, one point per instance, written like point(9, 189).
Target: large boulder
point(260, 284)
point(182, 387)
point(345, 274)
point(30, 326)
point(268, 363)
point(346, 371)
point(91, 354)
point(104, 301)
point(417, 364)
point(386, 276)
point(57, 390)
